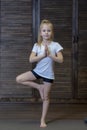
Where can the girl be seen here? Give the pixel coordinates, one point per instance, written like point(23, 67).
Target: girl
point(44, 52)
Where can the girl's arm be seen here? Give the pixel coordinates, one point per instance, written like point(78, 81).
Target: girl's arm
point(34, 58)
point(58, 57)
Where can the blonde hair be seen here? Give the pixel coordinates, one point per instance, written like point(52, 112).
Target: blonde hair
point(39, 36)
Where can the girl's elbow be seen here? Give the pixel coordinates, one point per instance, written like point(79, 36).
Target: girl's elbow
point(30, 60)
point(61, 60)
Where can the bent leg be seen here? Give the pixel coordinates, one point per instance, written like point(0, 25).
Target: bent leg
point(47, 88)
point(28, 79)
point(27, 76)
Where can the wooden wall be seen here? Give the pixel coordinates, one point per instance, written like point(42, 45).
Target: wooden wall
point(82, 50)
point(16, 43)
point(70, 21)
point(19, 23)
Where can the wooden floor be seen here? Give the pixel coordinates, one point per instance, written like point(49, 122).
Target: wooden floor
point(34, 125)
point(26, 116)
point(32, 111)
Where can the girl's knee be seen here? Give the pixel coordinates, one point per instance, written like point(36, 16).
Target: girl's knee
point(18, 79)
point(46, 98)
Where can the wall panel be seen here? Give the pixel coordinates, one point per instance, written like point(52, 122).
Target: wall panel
point(60, 14)
point(16, 43)
point(82, 52)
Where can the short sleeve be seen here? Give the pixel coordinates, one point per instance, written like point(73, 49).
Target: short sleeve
point(58, 47)
point(34, 49)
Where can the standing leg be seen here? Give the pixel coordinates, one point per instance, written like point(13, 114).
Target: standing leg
point(28, 78)
point(47, 88)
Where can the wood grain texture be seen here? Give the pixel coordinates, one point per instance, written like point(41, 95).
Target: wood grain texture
point(82, 51)
point(16, 43)
point(27, 111)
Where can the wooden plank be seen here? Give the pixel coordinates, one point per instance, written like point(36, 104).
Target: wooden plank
point(16, 44)
point(82, 57)
point(27, 111)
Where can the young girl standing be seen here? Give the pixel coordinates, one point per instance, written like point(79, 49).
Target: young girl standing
point(45, 52)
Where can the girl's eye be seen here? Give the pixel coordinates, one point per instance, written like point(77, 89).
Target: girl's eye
point(47, 30)
point(44, 30)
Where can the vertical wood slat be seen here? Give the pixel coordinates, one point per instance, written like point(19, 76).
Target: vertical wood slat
point(82, 55)
point(16, 43)
point(36, 19)
point(75, 48)
point(35, 26)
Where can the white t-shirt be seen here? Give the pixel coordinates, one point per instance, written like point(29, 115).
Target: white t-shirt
point(45, 67)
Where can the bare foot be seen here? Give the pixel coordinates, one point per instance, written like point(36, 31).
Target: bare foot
point(43, 125)
point(41, 91)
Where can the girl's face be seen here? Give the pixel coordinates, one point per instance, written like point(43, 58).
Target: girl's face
point(46, 32)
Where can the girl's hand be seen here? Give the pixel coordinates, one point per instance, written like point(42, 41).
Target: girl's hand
point(47, 51)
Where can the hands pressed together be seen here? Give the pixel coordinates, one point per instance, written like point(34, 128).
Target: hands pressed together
point(47, 51)
point(57, 57)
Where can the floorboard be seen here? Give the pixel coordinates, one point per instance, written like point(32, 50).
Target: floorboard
point(23, 110)
point(26, 116)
